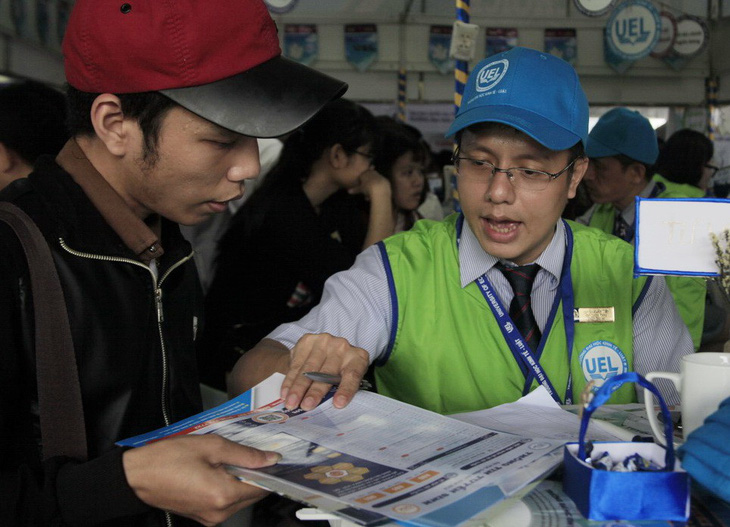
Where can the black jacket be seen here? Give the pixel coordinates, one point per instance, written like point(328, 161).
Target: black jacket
point(131, 371)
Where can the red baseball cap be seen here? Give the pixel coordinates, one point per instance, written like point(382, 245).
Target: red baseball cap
point(220, 59)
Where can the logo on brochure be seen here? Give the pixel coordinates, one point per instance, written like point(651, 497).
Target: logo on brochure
point(338, 473)
point(490, 75)
point(601, 360)
point(270, 417)
point(406, 508)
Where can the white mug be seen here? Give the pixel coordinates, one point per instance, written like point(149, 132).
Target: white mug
point(704, 382)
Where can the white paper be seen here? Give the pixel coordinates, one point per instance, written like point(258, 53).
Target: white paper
point(537, 415)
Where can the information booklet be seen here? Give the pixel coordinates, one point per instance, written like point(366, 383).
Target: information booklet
point(376, 460)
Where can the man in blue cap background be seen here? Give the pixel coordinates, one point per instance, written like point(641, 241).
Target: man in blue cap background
point(483, 307)
point(622, 148)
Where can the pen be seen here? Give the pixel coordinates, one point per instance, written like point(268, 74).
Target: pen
point(330, 378)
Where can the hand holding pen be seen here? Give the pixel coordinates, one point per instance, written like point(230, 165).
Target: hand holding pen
point(323, 353)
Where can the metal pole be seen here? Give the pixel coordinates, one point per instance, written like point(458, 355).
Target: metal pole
point(461, 69)
point(402, 92)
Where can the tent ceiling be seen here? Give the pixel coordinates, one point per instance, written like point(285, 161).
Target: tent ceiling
point(377, 10)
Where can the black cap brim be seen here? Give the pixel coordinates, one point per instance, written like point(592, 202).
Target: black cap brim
point(268, 100)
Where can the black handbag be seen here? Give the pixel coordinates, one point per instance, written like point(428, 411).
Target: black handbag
point(63, 431)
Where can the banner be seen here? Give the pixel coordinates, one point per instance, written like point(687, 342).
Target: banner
point(631, 33)
point(42, 20)
point(19, 14)
point(500, 39)
point(439, 42)
point(594, 7)
point(64, 11)
point(361, 45)
point(301, 43)
point(667, 35)
point(280, 6)
point(562, 43)
point(691, 39)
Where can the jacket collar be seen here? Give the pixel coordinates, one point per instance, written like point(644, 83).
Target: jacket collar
point(134, 232)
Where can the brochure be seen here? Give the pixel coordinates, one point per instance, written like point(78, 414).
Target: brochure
point(375, 460)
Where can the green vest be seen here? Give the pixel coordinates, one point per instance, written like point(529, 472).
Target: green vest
point(688, 291)
point(447, 351)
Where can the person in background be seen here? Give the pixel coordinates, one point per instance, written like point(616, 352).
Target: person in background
point(163, 118)
point(685, 160)
point(431, 207)
point(706, 453)
point(622, 148)
point(296, 230)
point(470, 312)
point(32, 123)
point(400, 159)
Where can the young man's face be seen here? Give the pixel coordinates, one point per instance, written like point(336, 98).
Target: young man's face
point(512, 223)
point(197, 169)
point(608, 181)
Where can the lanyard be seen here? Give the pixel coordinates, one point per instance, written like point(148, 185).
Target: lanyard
point(527, 360)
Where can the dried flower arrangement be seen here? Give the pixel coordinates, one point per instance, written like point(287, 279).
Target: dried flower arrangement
point(721, 245)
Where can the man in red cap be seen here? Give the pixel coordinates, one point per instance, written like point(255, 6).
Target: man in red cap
point(166, 101)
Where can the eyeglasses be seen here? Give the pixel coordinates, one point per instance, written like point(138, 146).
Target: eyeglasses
point(482, 171)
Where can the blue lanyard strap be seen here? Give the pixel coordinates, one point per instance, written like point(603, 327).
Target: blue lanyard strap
point(527, 360)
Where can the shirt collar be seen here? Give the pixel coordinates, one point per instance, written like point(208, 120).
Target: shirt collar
point(135, 233)
point(475, 261)
point(629, 212)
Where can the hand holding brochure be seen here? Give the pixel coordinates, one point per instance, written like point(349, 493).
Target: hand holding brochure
point(375, 459)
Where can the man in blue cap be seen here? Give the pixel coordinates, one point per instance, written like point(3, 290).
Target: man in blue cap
point(487, 305)
point(622, 148)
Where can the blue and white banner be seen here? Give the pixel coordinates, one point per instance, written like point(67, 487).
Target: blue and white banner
point(631, 33)
point(62, 14)
point(280, 6)
point(562, 43)
point(691, 39)
point(301, 43)
point(439, 43)
point(19, 14)
point(42, 22)
point(361, 45)
point(500, 39)
point(594, 7)
point(667, 35)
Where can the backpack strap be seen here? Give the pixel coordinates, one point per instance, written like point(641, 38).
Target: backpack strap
point(63, 431)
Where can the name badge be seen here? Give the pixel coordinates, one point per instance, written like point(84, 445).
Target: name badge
point(593, 314)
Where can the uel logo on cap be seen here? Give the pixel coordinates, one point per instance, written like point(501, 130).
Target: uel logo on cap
point(490, 75)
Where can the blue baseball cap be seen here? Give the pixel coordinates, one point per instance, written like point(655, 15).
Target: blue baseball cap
point(623, 131)
point(534, 92)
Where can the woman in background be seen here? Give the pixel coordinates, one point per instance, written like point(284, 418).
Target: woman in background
point(401, 159)
point(295, 231)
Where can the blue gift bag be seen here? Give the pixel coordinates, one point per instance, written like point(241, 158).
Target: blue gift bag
point(607, 495)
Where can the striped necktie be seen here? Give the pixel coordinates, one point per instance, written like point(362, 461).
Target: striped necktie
point(520, 310)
